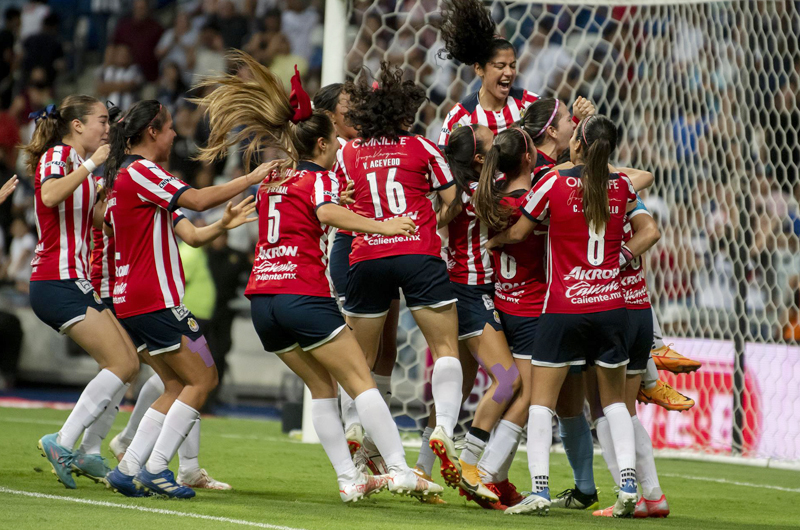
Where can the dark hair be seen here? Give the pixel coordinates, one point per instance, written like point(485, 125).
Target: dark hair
point(51, 21)
point(327, 97)
point(598, 138)
point(536, 119)
point(386, 110)
point(257, 112)
point(469, 33)
point(460, 152)
point(11, 13)
point(506, 155)
point(129, 131)
point(53, 127)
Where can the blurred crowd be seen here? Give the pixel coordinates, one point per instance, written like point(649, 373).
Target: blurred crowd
point(706, 96)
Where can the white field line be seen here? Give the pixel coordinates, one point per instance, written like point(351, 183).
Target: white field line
point(33, 421)
point(159, 511)
point(731, 482)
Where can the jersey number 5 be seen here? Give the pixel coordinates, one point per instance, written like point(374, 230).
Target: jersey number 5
point(395, 195)
point(274, 219)
point(595, 253)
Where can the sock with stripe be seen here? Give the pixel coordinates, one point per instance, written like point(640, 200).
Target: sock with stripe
point(540, 437)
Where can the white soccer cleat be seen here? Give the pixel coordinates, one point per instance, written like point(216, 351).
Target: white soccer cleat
point(375, 462)
point(355, 438)
point(199, 479)
point(362, 488)
point(409, 483)
point(625, 505)
point(534, 504)
point(117, 447)
point(443, 447)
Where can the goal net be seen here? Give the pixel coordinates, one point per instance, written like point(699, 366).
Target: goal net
point(705, 95)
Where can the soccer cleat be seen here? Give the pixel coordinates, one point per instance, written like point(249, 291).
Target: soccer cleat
point(162, 484)
point(90, 466)
point(375, 461)
point(626, 500)
point(648, 508)
point(362, 488)
point(664, 395)
point(409, 483)
point(199, 479)
point(432, 498)
point(484, 503)
point(361, 460)
point(507, 492)
point(119, 482)
point(472, 484)
point(575, 499)
point(536, 503)
point(605, 512)
point(668, 359)
point(443, 447)
point(355, 438)
point(117, 448)
point(60, 459)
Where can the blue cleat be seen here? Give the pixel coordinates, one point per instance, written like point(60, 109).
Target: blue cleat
point(90, 466)
point(536, 503)
point(162, 484)
point(60, 459)
point(122, 483)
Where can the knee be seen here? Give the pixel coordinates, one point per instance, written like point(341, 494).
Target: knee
point(507, 381)
point(172, 388)
point(210, 378)
point(128, 368)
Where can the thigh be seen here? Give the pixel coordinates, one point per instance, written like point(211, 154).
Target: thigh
point(192, 362)
point(611, 385)
point(469, 369)
point(439, 326)
point(367, 332)
point(99, 334)
point(311, 371)
point(571, 397)
point(491, 350)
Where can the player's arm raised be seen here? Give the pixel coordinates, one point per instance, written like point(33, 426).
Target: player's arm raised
point(334, 215)
point(233, 217)
point(202, 199)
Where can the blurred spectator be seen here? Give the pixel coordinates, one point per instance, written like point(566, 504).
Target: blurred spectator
point(200, 294)
point(8, 39)
point(37, 94)
point(119, 79)
point(184, 147)
point(142, 33)
point(44, 50)
point(177, 46)
point(232, 25)
point(282, 60)
point(298, 22)
point(23, 244)
point(256, 43)
point(210, 53)
point(9, 141)
point(171, 87)
point(11, 339)
point(33, 15)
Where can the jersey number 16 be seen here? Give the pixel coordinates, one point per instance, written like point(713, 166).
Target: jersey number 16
point(395, 195)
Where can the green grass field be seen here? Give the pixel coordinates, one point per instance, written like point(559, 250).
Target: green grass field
point(280, 483)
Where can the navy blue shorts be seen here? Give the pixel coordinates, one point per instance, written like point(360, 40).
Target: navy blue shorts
point(62, 303)
point(285, 321)
point(373, 284)
point(640, 339)
point(340, 263)
point(576, 339)
point(475, 308)
point(161, 331)
point(520, 334)
point(109, 302)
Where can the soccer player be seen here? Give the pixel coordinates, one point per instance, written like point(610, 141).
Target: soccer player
point(149, 288)
point(583, 318)
point(393, 172)
point(292, 308)
point(61, 293)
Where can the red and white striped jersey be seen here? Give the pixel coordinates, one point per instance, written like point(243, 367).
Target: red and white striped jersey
point(62, 252)
point(521, 283)
point(542, 165)
point(341, 177)
point(634, 284)
point(470, 111)
point(393, 179)
point(149, 274)
point(468, 261)
point(583, 265)
point(292, 249)
point(103, 265)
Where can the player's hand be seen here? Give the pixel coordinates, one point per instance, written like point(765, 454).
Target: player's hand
point(100, 156)
point(346, 197)
point(261, 172)
point(398, 226)
point(493, 244)
point(8, 188)
point(238, 215)
point(583, 108)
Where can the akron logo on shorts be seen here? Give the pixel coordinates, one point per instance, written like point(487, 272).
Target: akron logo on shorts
point(193, 325)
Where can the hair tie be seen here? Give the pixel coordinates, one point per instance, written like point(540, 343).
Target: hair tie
point(375, 86)
point(583, 129)
point(49, 111)
point(113, 111)
point(299, 99)
point(474, 141)
point(546, 125)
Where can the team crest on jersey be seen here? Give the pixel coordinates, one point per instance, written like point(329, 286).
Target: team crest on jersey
point(193, 325)
point(496, 316)
point(97, 298)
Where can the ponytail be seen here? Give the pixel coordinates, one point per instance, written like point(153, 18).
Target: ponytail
point(52, 125)
point(460, 153)
point(129, 131)
point(598, 137)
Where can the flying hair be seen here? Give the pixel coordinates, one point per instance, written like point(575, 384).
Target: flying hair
point(469, 33)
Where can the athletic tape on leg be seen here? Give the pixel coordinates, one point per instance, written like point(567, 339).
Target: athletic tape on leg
point(200, 347)
point(505, 382)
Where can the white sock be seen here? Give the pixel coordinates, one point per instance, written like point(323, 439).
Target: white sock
point(619, 420)
point(179, 421)
point(349, 412)
point(150, 392)
point(506, 467)
point(426, 457)
point(384, 384)
point(142, 444)
point(540, 437)
point(650, 377)
point(474, 444)
point(646, 472)
point(607, 448)
point(502, 444)
point(328, 424)
point(94, 435)
point(446, 383)
point(658, 335)
point(189, 450)
point(380, 425)
point(93, 401)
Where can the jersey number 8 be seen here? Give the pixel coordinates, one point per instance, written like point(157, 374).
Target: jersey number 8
point(395, 194)
point(595, 253)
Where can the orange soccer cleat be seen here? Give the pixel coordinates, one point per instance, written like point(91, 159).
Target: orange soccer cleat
point(664, 395)
point(668, 359)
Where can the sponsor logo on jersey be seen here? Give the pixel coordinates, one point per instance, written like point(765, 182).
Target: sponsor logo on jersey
point(59, 163)
point(579, 273)
point(163, 183)
point(276, 252)
point(122, 270)
point(193, 325)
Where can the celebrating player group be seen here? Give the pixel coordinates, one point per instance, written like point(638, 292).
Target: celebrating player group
point(514, 240)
